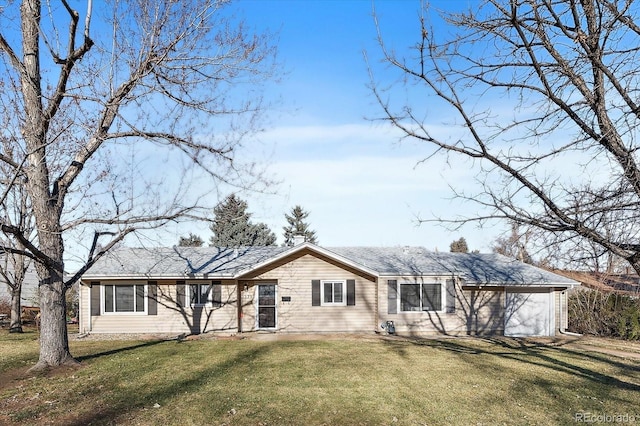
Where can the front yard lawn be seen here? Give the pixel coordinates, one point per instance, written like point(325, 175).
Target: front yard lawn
point(341, 381)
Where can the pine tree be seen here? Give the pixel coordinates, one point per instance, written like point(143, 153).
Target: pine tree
point(192, 240)
point(459, 246)
point(232, 226)
point(297, 226)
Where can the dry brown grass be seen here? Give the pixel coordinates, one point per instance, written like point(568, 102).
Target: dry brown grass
point(334, 381)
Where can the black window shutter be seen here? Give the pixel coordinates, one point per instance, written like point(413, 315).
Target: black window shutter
point(392, 296)
point(315, 292)
point(152, 298)
point(216, 294)
point(351, 292)
point(180, 293)
point(95, 298)
point(451, 296)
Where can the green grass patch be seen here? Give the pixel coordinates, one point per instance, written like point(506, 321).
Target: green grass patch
point(344, 381)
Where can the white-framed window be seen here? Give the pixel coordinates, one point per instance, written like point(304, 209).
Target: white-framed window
point(333, 293)
point(124, 299)
point(418, 297)
point(204, 293)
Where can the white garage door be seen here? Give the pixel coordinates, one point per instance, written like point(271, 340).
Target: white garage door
point(529, 313)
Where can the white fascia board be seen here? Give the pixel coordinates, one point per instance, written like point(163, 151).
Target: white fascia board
point(512, 284)
point(88, 278)
point(312, 247)
point(433, 274)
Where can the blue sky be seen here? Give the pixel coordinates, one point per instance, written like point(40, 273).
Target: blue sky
point(359, 183)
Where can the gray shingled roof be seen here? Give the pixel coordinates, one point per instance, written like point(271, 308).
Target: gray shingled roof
point(179, 261)
point(386, 261)
point(475, 268)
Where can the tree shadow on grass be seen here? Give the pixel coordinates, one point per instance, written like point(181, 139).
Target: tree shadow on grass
point(164, 391)
point(531, 352)
point(119, 350)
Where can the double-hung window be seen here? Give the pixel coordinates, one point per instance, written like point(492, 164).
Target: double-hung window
point(124, 298)
point(416, 297)
point(333, 293)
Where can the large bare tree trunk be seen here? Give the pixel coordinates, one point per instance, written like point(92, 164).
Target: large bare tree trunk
point(54, 342)
point(47, 205)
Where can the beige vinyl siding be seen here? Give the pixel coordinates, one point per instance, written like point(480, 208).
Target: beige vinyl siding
point(170, 318)
point(293, 278)
point(484, 311)
point(476, 311)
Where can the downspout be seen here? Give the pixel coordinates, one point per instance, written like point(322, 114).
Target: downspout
point(90, 317)
point(377, 315)
point(239, 306)
point(89, 325)
point(562, 329)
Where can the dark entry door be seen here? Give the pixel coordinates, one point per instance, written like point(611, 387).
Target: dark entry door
point(266, 306)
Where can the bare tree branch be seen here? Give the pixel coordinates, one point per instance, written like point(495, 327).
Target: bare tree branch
point(89, 108)
point(567, 69)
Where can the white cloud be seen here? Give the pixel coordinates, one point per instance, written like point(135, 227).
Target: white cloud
point(360, 187)
point(356, 198)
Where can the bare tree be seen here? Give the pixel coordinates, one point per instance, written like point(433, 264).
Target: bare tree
point(96, 102)
point(15, 209)
point(544, 99)
point(514, 244)
point(13, 270)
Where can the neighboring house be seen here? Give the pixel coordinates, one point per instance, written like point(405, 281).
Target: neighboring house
point(311, 289)
point(29, 294)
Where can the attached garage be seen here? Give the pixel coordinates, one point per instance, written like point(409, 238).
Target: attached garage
point(529, 312)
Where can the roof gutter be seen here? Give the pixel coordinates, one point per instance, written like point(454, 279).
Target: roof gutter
point(87, 278)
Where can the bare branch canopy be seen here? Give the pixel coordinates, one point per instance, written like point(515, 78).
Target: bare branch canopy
point(541, 96)
point(118, 117)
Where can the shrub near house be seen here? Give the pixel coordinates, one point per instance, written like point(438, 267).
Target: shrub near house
point(606, 314)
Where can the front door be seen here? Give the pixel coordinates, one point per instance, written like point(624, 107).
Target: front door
point(266, 306)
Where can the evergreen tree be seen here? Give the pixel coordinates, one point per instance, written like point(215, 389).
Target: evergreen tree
point(261, 235)
point(232, 226)
point(297, 226)
point(192, 240)
point(459, 246)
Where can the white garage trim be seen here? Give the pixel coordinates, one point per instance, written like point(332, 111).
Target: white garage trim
point(529, 312)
